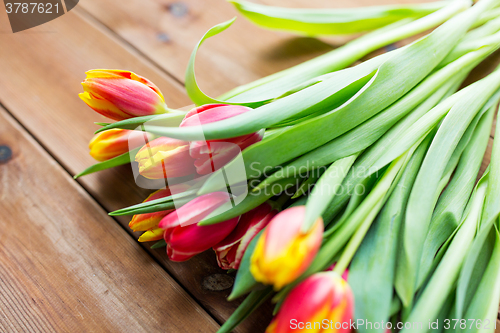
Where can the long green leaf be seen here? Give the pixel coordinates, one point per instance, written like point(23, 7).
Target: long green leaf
point(367, 211)
point(275, 85)
point(111, 163)
point(491, 211)
point(168, 119)
point(245, 281)
point(444, 278)
point(425, 190)
point(310, 134)
point(251, 201)
point(252, 302)
point(326, 188)
point(156, 205)
point(364, 135)
point(324, 21)
point(452, 202)
point(371, 273)
point(484, 305)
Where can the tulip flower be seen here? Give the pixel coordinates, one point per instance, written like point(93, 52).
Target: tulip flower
point(121, 95)
point(154, 234)
point(211, 155)
point(184, 237)
point(230, 251)
point(321, 303)
point(283, 251)
point(165, 158)
point(115, 142)
point(149, 221)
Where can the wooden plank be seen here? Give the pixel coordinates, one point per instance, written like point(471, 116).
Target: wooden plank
point(67, 266)
point(41, 73)
point(167, 31)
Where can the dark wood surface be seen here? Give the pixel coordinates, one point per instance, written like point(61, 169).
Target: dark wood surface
point(64, 222)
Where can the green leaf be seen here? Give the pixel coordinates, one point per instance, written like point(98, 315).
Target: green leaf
point(444, 278)
point(453, 200)
point(371, 273)
point(484, 305)
point(326, 188)
point(491, 210)
point(427, 94)
point(252, 302)
point(492, 205)
point(278, 84)
point(416, 61)
point(324, 21)
point(159, 244)
point(472, 272)
point(251, 201)
point(157, 205)
point(302, 138)
point(173, 118)
point(307, 184)
point(365, 213)
point(111, 163)
point(425, 190)
point(245, 281)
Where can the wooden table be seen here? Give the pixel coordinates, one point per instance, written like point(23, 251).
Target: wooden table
point(65, 265)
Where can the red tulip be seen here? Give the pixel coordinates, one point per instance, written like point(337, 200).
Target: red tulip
point(115, 142)
point(211, 155)
point(121, 95)
point(184, 237)
point(165, 158)
point(230, 251)
point(283, 252)
point(321, 303)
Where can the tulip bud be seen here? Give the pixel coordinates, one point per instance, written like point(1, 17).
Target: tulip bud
point(165, 158)
point(184, 237)
point(143, 222)
point(230, 251)
point(115, 142)
point(322, 302)
point(121, 95)
point(152, 235)
point(283, 252)
point(212, 155)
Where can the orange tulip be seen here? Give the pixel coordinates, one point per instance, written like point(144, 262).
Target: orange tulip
point(150, 221)
point(165, 158)
point(121, 95)
point(321, 303)
point(283, 252)
point(115, 142)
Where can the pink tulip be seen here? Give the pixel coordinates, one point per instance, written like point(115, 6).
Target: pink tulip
point(284, 252)
point(230, 251)
point(120, 95)
point(321, 303)
point(211, 155)
point(184, 237)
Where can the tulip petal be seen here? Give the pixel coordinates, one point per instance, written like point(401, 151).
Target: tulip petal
point(195, 210)
point(151, 235)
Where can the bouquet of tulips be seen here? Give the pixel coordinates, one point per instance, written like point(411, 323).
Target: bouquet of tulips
point(348, 195)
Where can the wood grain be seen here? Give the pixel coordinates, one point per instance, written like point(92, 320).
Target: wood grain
point(42, 69)
point(66, 266)
point(41, 73)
